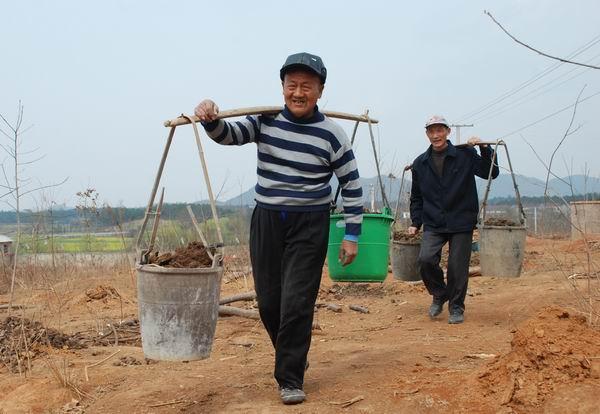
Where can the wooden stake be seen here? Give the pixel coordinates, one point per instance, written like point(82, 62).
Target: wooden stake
point(360, 309)
point(233, 311)
point(250, 314)
point(345, 404)
point(235, 298)
point(168, 403)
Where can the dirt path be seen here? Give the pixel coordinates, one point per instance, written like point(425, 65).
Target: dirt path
point(394, 357)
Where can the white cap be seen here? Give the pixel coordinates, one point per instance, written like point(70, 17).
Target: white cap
point(437, 119)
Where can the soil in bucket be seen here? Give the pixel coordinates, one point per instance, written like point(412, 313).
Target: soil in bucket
point(178, 297)
point(191, 256)
point(501, 222)
point(404, 253)
point(404, 237)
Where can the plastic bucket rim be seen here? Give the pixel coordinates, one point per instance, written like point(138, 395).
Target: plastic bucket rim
point(177, 270)
point(365, 215)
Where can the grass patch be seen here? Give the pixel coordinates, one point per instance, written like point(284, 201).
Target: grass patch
point(75, 244)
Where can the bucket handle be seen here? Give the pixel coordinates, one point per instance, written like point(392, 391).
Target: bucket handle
point(217, 257)
point(384, 200)
point(213, 204)
point(339, 188)
point(482, 210)
point(397, 209)
point(364, 118)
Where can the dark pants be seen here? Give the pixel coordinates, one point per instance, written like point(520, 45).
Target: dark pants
point(287, 250)
point(458, 266)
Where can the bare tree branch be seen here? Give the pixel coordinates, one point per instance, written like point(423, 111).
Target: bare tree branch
point(7, 150)
point(223, 185)
point(9, 204)
point(4, 133)
point(535, 50)
point(567, 133)
point(6, 177)
point(45, 186)
point(542, 161)
point(30, 151)
point(9, 193)
point(7, 124)
point(26, 129)
point(34, 160)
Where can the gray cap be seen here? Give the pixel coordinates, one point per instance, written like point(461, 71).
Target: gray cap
point(307, 61)
point(437, 119)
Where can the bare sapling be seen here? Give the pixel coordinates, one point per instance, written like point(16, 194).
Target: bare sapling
point(15, 185)
point(588, 299)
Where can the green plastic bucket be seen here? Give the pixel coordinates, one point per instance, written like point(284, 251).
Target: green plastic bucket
point(371, 264)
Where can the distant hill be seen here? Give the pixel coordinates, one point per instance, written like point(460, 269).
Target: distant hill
point(501, 187)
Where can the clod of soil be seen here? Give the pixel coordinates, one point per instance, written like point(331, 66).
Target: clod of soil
point(192, 256)
point(357, 289)
point(126, 361)
point(101, 292)
point(23, 340)
point(501, 222)
point(407, 238)
point(548, 350)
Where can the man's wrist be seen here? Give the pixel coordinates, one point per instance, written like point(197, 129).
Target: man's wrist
point(351, 237)
point(209, 126)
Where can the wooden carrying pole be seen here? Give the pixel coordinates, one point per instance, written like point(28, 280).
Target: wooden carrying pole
point(265, 110)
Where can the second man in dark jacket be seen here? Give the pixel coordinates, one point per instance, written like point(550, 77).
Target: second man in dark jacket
point(444, 201)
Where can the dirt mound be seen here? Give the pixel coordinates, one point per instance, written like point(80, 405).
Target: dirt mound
point(378, 290)
point(548, 351)
point(579, 246)
point(23, 340)
point(502, 222)
point(101, 292)
point(191, 256)
point(407, 238)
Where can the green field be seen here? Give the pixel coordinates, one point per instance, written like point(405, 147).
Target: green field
point(171, 234)
point(74, 244)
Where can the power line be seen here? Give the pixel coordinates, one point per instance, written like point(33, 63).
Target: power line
point(530, 81)
point(520, 101)
point(550, 116)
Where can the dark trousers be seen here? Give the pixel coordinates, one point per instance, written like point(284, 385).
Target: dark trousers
point(455, 290)
point(287, 250)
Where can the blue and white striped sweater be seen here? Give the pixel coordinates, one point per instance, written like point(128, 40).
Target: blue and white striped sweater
point(296, 160)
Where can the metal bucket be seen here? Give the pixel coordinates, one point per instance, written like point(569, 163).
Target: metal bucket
point(501, 250)
point(404, 260)
point(178, 310)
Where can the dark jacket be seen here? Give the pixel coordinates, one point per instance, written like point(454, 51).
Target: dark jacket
point(449, 204)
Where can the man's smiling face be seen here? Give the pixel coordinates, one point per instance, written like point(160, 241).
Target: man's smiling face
point(301, 91)
point(438, 134)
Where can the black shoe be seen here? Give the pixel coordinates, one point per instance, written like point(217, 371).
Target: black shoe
point(456, 316)
point(436, 307)
point(291, 395)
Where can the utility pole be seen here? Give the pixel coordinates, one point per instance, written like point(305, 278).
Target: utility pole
point(458, 127)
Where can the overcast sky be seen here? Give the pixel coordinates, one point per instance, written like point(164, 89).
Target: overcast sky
point(98, 79)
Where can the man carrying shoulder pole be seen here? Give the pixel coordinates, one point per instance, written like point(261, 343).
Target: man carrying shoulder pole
point(444, 201)
point(298, 151)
